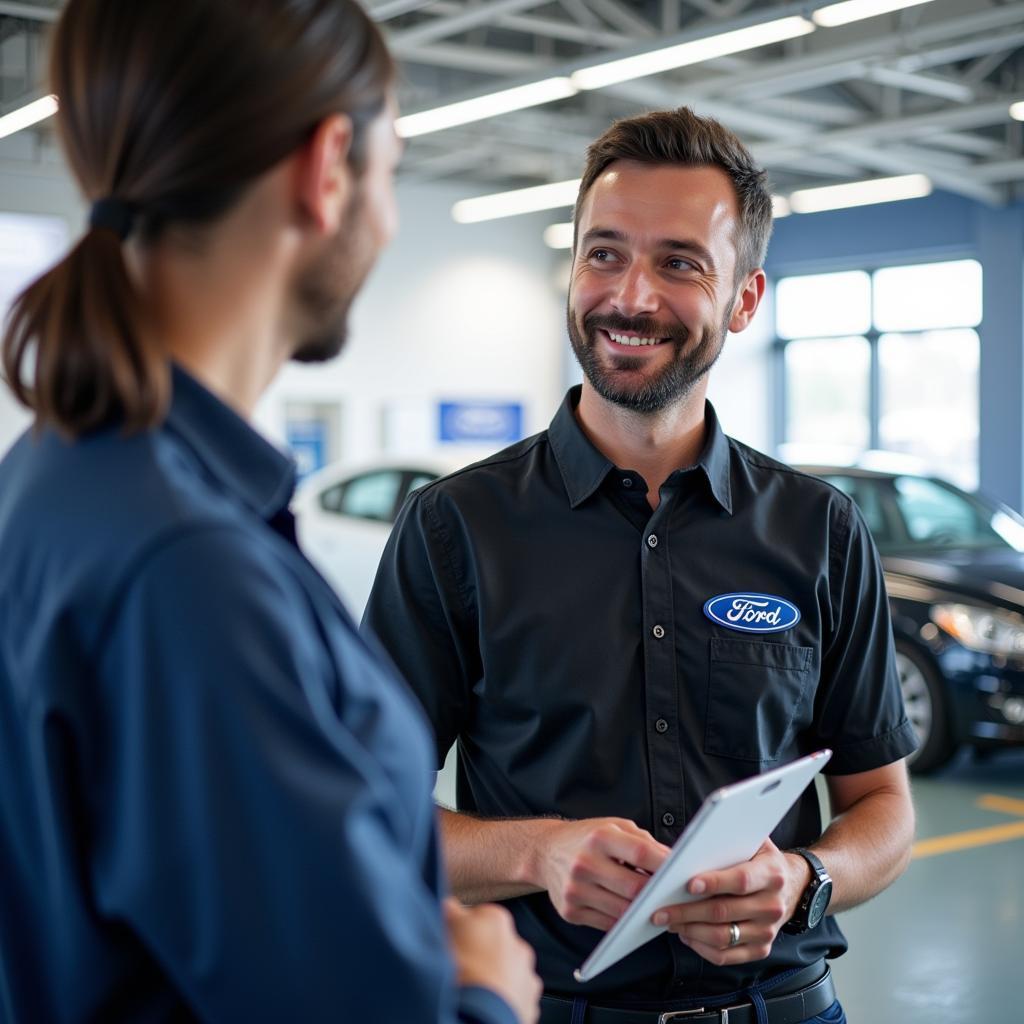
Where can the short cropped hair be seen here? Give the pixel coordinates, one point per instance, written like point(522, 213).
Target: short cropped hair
point(685, 139)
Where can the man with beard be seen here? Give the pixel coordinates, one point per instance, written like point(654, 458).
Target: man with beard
point(214, 798)
point(621, 614)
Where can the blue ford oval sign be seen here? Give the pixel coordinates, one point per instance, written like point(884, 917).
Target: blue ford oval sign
point(752, 613)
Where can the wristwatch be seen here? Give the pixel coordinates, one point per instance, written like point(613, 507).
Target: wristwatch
point(815, 898)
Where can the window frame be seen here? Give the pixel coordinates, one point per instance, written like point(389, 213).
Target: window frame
point(779, 384)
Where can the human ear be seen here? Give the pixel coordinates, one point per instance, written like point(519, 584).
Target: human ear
point(324, 179)
point(747, 301)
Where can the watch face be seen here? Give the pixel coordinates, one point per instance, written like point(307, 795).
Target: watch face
point(819, 904)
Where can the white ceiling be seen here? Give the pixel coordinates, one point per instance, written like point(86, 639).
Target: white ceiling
point(925, 90)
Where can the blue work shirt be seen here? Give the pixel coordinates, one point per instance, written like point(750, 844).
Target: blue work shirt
point(214, 795)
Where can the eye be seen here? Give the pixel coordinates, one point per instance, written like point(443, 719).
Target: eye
point(602, 256)
point(679, 263)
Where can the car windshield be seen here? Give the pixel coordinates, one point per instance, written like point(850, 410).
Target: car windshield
point(908, 514)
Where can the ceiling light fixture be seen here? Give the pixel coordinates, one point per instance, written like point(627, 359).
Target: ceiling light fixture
point(480, 107)
point(860, 193)
point(520, 200)
point(28, 115)
point(780, 207)
point(693, 52)
point(856, 10)
point(559, 236)
point(1017, 111)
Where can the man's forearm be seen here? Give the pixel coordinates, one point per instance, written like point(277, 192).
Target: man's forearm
point(492, 859)
point(868, 846)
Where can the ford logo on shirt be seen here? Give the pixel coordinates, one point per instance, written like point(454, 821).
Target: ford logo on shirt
point(752, 613)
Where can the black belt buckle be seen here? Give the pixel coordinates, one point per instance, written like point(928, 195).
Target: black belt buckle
point(673, 1015)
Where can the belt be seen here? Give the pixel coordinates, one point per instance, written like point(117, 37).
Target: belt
point(791, 1008)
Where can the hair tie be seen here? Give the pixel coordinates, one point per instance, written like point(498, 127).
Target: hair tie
point(115, 215)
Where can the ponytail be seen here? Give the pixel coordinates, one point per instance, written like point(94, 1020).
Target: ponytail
point(156, 140)
point(76, 350)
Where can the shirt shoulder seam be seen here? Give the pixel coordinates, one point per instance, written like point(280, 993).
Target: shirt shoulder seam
point(498, 459)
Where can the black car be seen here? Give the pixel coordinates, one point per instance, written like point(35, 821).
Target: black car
point(954, 570)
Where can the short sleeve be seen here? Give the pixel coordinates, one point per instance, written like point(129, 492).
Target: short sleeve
point(417, 611)
point(249, 840)
point(859, 712)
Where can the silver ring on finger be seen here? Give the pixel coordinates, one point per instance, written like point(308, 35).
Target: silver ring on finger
point(734, 935)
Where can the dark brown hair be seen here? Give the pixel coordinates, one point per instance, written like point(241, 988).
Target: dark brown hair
point(174, 109)
point(684, 138)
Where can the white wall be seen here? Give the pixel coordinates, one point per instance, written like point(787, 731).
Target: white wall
point(739, 387)
point(450, 312)
point(30, 188)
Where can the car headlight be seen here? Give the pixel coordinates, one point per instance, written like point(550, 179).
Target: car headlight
point(981, 629)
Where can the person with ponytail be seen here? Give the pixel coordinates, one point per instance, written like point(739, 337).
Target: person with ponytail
point(213, 792)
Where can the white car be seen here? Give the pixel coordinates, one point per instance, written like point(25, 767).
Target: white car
point(344, 515)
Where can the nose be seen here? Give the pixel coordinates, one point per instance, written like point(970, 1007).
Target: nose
point(637, 292)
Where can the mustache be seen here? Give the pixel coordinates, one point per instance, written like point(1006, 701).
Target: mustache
point(641, 325)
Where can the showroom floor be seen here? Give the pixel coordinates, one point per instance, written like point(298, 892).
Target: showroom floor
point(945, 945)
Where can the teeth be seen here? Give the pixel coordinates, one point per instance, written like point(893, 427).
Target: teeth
point(623, 339)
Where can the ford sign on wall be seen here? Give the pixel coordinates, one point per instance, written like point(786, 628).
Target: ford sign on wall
point(481, 422)
point(752, 613)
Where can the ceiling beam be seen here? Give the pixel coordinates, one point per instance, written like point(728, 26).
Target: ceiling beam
point(388, 9)
point(474, 58)
point(976, 115)
point(929, 85)
point(29, 11)
point(622, 17)
point(455, 24)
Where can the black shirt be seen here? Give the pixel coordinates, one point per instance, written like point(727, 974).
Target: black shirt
point(556, 626)
point(214, 793)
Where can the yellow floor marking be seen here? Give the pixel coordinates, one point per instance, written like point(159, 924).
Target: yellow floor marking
point(1005, 804)
point(968, 840)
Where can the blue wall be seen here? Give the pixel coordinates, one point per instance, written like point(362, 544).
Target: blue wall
point(942, 226)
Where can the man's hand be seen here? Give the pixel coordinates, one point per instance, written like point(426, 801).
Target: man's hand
point(759, 897)
point(593, 869)
point(489, 952)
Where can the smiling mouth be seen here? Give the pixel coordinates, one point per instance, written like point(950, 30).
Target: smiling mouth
point(633, 340)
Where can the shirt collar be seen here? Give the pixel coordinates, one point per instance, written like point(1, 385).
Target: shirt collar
point(584, 468)
point(243, 461)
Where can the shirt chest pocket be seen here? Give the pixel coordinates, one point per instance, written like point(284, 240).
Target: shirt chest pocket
point(755, 689)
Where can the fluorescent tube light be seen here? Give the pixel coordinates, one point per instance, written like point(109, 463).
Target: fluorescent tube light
point(521, 96)
point(559, 236)
point(780, 207)
point(860, 193)
point(521, 200)
point(30, 114)
point(855, 10)
point(1017, 111)
point(693, 52)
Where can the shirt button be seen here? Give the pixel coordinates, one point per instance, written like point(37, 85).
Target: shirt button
point(652, 541)
point(658, 631)
point(627, 481)
point(661, 725)
point(668, 820)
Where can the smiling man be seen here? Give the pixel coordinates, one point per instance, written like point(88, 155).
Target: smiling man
point(630, 609)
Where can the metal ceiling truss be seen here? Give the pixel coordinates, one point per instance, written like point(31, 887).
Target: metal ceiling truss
point(925, 90)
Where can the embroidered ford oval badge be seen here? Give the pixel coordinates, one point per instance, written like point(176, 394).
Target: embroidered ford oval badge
point(752, 613)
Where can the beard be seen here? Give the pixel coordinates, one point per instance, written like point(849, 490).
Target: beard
point(624, 382)
point(326, 287)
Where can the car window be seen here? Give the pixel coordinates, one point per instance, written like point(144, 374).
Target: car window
point(370, 496)
point(418, 480)
point(937, 515)
point(866, 495)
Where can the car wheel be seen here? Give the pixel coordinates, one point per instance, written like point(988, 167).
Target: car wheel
point(927, 708)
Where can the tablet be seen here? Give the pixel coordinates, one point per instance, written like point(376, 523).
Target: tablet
point(730, 827)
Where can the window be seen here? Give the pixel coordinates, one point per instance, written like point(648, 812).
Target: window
point(887, 359)
point(370, 496)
